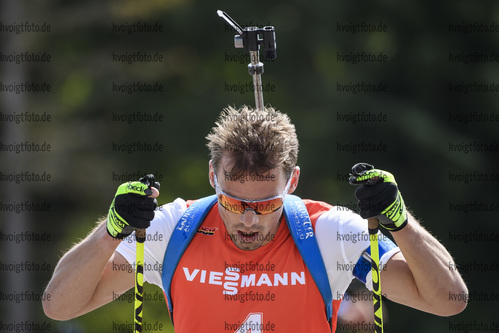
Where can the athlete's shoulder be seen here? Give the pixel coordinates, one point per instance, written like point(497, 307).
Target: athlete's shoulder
point(191, 201)
point(167, 215)
point(332, 217)
point(316, 208)
point(172, 210)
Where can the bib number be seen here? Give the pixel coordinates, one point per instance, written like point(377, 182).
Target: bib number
point(252, 324)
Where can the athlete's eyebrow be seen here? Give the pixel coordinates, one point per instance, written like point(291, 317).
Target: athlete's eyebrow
point(238, 197)
point(275, 196)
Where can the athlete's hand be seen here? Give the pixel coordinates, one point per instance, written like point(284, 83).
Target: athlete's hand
point(378, 196)
point(133, 207)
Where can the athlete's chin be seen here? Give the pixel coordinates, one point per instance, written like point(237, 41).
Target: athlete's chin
point(248, 246)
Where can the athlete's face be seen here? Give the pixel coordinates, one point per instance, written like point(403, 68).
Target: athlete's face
point(249, 231)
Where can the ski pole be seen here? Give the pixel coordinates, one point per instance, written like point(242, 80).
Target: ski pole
point(373, 238)
point(140, 236)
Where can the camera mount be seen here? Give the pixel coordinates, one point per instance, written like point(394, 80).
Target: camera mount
point(250, 38)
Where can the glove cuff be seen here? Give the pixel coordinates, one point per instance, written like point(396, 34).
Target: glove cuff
point(389, 225)
point(115, 222)
point(121, 235)
point(394, 217)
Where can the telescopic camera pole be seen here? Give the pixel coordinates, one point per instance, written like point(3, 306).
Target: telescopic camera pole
point(250, 38)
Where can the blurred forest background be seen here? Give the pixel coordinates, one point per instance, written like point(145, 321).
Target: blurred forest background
point(425, 45)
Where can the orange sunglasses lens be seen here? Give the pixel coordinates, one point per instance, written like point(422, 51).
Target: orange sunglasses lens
point(260, 207)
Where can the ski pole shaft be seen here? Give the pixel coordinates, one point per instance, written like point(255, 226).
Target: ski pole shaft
point(140, 236)
point(373, 238)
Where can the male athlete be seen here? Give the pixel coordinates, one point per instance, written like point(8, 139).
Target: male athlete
point(242, 269)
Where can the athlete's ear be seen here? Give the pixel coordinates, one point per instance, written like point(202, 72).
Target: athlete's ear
point(295, 176)
point(211, 173)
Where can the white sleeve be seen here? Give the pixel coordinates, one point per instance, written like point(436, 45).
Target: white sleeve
point(157, 238)
point(343, 236)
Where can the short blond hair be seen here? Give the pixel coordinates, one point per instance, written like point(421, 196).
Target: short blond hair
point(257, 140)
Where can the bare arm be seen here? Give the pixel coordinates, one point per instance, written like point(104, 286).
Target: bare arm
point(84, 279)
point(423, 276)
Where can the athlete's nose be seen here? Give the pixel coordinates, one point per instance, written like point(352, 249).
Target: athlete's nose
point(249, 217)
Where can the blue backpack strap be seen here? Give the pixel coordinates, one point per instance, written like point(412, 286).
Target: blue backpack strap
point(182, 235)
point(303, 234)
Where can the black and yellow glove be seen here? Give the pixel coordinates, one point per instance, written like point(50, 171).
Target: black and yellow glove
point(132, 208)
point(378, 196)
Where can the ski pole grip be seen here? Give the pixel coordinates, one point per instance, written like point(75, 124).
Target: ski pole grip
point(140, 235)
point(372, 223)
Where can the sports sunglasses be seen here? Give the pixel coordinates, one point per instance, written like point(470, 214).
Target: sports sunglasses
point(240, 206)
